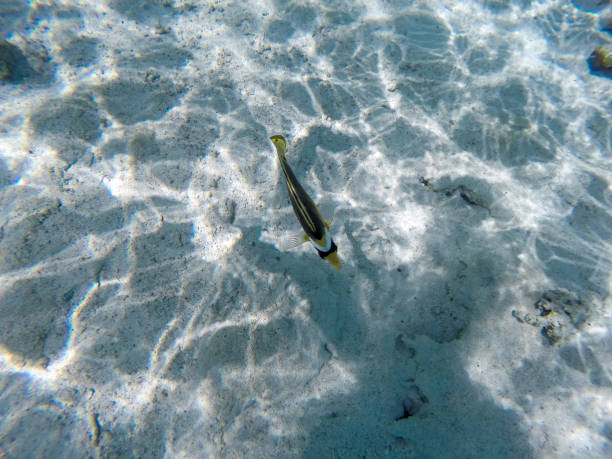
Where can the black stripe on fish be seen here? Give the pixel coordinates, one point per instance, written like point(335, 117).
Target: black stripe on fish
point(303, 206)
point(331, 250)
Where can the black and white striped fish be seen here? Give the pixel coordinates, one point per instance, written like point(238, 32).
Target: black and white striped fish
point(316, 229)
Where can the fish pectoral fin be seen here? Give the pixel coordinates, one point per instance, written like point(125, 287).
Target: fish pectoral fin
point(328, 223)
point(291, 242)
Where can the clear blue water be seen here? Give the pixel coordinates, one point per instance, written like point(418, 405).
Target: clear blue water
point(148, 304)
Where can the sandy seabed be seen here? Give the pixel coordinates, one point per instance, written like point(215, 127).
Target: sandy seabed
point(148, 307)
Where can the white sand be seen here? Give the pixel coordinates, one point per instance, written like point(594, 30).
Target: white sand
point(462, 149)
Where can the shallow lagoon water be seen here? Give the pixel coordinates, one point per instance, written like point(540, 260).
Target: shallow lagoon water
point(461, 149)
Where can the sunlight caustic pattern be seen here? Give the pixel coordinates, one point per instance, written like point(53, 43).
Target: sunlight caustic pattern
point(462, 151)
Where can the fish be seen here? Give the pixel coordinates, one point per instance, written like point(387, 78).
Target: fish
point(315, 228)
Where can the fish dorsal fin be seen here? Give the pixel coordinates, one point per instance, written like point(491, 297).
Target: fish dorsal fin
point(293, 241)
